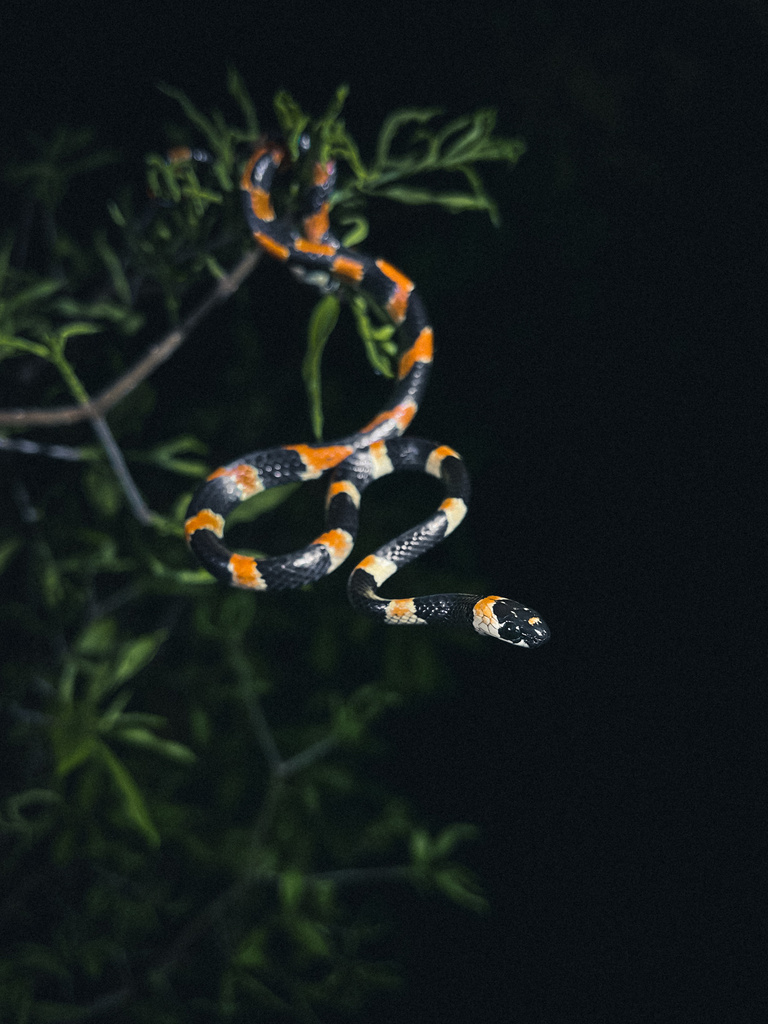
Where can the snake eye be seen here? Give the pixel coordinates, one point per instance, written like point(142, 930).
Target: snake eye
point(519, 625)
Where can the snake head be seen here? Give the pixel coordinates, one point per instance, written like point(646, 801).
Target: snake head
point(504, 619)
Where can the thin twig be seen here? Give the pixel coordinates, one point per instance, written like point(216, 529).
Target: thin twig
point(293, 765)
point(263, 733)
point(158, 354)
point(117, 461)
point(52, 451)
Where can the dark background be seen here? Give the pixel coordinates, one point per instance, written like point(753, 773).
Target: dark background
point(602, 369)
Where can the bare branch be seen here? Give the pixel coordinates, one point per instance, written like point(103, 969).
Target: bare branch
point(158, 354)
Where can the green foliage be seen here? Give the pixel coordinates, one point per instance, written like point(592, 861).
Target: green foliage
point(64, 158)
point(188, 804)
point(324, 318)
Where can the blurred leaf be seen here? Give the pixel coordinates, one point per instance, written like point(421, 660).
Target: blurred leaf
point(250, 509)
point(292, 886)
point(74, 750)
point(147, 740)
point(97, 639)
point(114, 713)
point(114, 265)
point(321, 324)
point(380, 347)
point(394, 123)
point(291, 120)
point(133, 801)
point(8, 549)
point(446, 842)
point(27, 812)
point(135, 654)
point(103, 490)
point(312, 937)
point(459, 885)
point(238, 91)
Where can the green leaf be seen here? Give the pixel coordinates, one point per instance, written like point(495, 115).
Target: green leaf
point(238, 91)
point(181, 577)
point(459, 885)
point(74, 330)
point(7, 550)
point(378, 339)
point(133, 801)
point(149, 741)
point(421, 848)
point(115, 712)
point(103, 490)
point(291, 119)
point(357, 228)
point(170, 455)
point(98, 639)
point(116, 214)
point(352, 716)
point(397, 120)
point(13, 344)
point(454, 202)
point(135, 654)
point(252, 951)
point(80, 749)
point(256, 506)
point(321, 324)
point(215, 269)
point(23, 809)
point(336, 105)
point(291, 886)
point(161, 178)
point(445, 843)
point(51, 584)
point(142, 720)
point(197, 118)
point(313, 937)
point(33, 295)
point(114, 265)
point(128, 320)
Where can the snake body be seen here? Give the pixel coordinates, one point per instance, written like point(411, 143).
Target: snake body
point(356, 460)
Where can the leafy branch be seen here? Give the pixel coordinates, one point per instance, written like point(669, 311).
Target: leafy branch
point(186, 805)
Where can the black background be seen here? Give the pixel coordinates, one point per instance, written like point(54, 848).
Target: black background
point(602, 368)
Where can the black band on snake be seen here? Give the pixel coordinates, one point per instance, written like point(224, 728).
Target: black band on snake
point(357, 459)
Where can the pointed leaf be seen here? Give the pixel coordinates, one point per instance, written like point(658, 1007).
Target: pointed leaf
point(445, 843)
point(459, 885)
point(149, 741)
point(292, 885)
point(133, 801)
point(80, 750)
point(138, 653)
point(321, 324)
point(98, 639)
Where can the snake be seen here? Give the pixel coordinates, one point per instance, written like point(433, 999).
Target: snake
point(306, 245)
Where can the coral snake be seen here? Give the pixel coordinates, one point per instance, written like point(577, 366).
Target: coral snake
point(375, 450)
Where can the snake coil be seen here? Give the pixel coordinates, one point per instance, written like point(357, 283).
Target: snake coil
point(358, 459)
